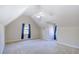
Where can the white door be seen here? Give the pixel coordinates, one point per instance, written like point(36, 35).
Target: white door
point(51, 32)
point(48, 32)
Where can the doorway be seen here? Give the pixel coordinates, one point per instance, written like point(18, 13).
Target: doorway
point(49, 32)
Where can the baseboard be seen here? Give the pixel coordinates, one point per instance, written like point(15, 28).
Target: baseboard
point(66, 44)
point(12, 42)
point(17, 41)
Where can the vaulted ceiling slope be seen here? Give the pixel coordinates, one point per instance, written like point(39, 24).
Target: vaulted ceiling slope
point(9, 12)
point(63, 15)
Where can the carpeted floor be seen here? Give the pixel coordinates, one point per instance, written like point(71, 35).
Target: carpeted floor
point(38, 47)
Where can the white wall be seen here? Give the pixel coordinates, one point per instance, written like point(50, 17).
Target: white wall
point(68, 35)
point(2, 41)
point(44, 33)
point(13, 30)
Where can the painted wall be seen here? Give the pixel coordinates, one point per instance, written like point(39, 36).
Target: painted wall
point(48, 32)
point(13, 30)
point(68, 35)
point(2, 41)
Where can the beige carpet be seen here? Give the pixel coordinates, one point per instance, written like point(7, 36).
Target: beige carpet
point(38, 47)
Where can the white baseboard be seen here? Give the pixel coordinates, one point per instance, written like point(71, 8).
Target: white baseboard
point(66, 44)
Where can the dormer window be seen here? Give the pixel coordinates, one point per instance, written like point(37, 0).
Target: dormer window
point(26, 31)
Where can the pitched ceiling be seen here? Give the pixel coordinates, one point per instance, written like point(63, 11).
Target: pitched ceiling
point(9, 13)
point(63, 15)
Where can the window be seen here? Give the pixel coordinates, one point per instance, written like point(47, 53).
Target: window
point(26, 29)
